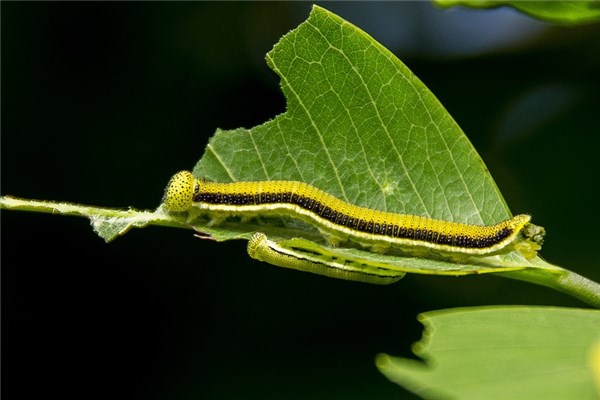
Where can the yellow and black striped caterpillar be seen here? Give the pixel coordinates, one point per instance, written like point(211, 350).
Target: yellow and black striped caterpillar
point(342, 221)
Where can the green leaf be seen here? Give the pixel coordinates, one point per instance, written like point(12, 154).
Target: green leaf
point(502, 353)
point(564, 12)
point(361, 126)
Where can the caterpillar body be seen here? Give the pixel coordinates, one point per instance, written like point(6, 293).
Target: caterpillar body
point(342, 221)
point(263, 249)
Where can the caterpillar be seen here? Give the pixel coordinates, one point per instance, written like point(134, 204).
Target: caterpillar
point(263, 249)
point(342, 221)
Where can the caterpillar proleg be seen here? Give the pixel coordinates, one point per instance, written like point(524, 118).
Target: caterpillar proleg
point(377, 229)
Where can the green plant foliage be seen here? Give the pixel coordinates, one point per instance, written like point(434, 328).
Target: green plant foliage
point(361, 126)
point(502, 353)
point(358, 125)
point(564, 12)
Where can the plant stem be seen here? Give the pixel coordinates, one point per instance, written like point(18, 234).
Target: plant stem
point(562, 280)
point(126, 218)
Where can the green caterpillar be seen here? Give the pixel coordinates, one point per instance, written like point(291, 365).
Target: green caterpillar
point(342, 221)
point(263, 249)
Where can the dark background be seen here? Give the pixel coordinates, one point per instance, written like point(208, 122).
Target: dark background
point(103, 102)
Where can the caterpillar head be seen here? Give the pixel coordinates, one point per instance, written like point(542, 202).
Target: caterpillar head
point(534, 233)
point(534, 238)
point(180, 191)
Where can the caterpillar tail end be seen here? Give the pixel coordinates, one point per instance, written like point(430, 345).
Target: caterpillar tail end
point(179, 192)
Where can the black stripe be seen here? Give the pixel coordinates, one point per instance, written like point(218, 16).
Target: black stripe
point(338, 218)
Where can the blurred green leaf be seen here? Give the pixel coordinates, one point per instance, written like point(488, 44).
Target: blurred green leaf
point(502, 353)
point(565, 12)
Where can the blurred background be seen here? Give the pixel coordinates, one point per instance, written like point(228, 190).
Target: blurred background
point(103, 102)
